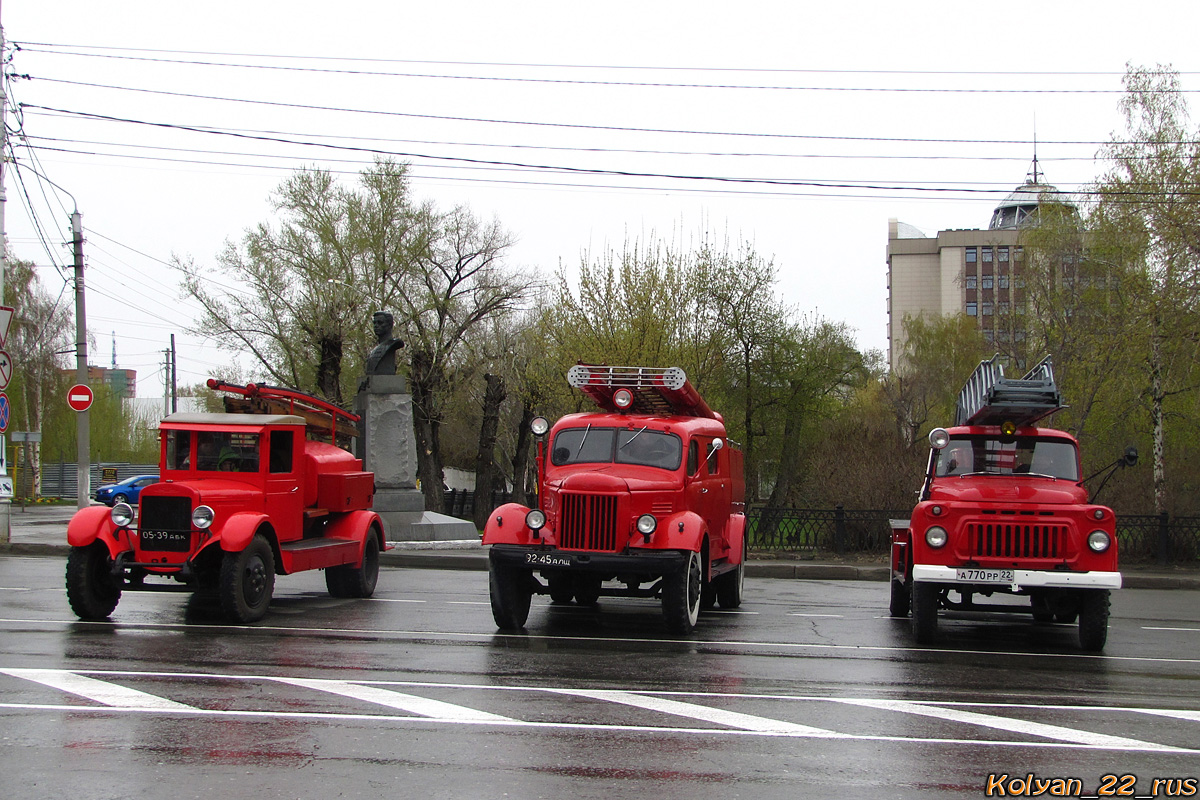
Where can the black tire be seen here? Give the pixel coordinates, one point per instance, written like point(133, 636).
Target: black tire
point(92, 590)
point(1093, 619)
point(924, 612)
point(731, 587)
point(562, 588)
point(351, 581)
point(120, 498)
point(901, 599)
point(247, 581)
point(510, 592)
point(681, 592)
point(1041, 608)
point(708, 597)
point(587, 589)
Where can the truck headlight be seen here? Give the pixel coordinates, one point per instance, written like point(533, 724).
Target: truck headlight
point(646, 524)
point(202, 517)
point(938, 438)
point(1098, 541)
point(121, 515)
point(539, 426)
point(936, 537)
point(535, 520)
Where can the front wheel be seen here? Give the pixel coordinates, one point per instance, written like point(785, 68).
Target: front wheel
point(92, 590)
point(1093, 620)
point(510, 592)
point(347, 580)
point(681, 596)
point(924, 612)
point(247, 581)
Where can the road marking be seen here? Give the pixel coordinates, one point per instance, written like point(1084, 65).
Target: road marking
point(1006, 724)
point(104, 692)
point(391, 600)
point(1174, 713)
point(405, 702)
point(467, 603)
point(798, 614)
point(1152, 628)
point(720, 716)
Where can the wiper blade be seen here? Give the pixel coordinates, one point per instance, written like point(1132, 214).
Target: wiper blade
point(631, 438)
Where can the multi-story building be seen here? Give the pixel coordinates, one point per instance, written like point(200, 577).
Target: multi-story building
point(977, 272)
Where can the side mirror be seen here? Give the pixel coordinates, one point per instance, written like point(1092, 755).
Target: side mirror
point(1130, 458)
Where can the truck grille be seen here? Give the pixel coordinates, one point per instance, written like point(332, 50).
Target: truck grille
point(166, 513)
point(589, 522)
point(1016, 540)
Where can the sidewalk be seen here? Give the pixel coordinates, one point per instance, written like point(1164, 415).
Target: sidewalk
point(42, 531)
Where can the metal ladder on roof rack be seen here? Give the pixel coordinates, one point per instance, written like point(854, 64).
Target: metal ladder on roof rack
point(988, 398)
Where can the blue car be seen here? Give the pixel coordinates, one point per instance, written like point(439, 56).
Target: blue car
point(126, 491)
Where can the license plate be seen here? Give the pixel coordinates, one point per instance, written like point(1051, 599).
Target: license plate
point(171, 541)
point(548, 560)
point(984, 575)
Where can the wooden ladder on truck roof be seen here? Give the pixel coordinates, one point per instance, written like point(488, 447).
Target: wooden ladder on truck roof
point(656, 391)
point(320, 416)
point(988, 398)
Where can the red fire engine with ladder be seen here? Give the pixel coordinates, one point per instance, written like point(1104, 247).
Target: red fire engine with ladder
point(1003, 511)
point(643, 498)
point(242, 496)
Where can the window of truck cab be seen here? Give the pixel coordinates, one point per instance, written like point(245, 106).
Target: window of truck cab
point(1018, 455)
point(640, 445)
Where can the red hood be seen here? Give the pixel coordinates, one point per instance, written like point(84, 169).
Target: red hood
point(602, 480)
point(1005, 489)
point(224, 492)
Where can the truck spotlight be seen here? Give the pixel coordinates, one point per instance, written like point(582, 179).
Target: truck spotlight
point(936, 537)
point(1098, 513)
point(938, 438)
point(1098, 541)
point(535, 520)
point(623, 398)
point(202, 517)
point(121, 515)
point(539, 426)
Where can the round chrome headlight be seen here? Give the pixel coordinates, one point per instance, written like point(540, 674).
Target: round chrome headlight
point(936, 537)
point(623, 398)
point(121, 515)
point(539, 426)
point(646, 524)
point(939, 438)
point(1098, 541)
point(202, 517)
point(535, 520)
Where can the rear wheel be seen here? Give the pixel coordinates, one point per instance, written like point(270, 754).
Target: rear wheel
point(247, 581)
point(510, 592)
point(924, 612)
point(731, 587)
point(562, 588)
point(1093, 619)
point(92, 590)
point(681, 596)
point(587, 589)
point(900, 600)
point(120, 498)
point(350, 581)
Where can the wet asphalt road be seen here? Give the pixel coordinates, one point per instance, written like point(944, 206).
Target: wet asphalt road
point(808, 691)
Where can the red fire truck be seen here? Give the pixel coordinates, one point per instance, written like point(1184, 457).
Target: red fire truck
point(643, 498)
point(1003, 511)
point(243, 496)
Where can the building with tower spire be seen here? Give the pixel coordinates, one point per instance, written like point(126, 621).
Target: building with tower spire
point(975, 271)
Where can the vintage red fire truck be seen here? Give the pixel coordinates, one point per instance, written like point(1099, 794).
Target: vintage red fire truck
point(643, 498)
point(1003, 511)
point(243, 496)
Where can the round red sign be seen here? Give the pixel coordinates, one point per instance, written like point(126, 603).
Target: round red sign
point(79, 397)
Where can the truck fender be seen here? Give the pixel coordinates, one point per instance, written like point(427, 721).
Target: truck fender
point(356, 525)
point(238, 530)
point(506, 525)
point(901, 553)
point(736, 532)
point(94, 523)
point(683, 531)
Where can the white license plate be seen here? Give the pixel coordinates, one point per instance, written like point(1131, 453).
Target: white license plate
point(983, 575)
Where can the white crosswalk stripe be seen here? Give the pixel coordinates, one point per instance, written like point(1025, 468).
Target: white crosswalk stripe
point(109, 694)
point(398, 700)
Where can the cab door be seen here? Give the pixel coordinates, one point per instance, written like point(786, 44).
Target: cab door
point(709, 490)
point(284, 495)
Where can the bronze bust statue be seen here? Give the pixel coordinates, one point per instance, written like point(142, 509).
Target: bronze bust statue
point(382, 358)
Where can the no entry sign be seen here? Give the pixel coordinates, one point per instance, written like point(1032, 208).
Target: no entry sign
point(79, 397)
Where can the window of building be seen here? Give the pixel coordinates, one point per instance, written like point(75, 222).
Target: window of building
point(988, 336)
point(972, 281)
point(987, 309)
point(1003, 255)
point(1002, 308)
point(987, 281)
point(1019, 254)
point(972, 255)
point(987, 255)
point(1002, 281)
point(971, 310)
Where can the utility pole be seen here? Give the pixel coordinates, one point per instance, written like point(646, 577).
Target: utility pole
point(166, 382)
point(5, 503)
point(83, 429)
point(174, 379)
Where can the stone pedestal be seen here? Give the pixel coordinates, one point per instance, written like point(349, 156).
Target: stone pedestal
point(387, 448)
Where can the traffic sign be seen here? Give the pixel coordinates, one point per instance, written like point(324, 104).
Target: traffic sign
point(6, 315)
point(5, 369)
point(4, 410)
point(79, 397)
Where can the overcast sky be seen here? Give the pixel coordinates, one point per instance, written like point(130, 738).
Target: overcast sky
point(578, 126)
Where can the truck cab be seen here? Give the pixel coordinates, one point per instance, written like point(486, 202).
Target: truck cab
point(242, 497)
point(1003, 511)
point(641, 498)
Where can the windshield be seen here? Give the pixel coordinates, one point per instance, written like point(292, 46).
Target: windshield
point(592, 445)
point(1025, 455)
